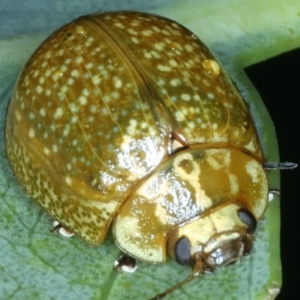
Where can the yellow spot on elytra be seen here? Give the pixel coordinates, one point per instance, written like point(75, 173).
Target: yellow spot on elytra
point(175, 82)
point(131, 31)
point(132, 127)
point(39, 89)
point(31, 133)
point(185, 97)
point(82, 100)
point(118, 83)
point(78, 59)
point(89, 65)
point(135, 40)
point(96, 79)
point(70, 81)
point(75, 73)
point(189, 48)
point(46, 151)
point(163, 68)
point(58, 113)
point(68, 180)
point(18, 115)
point(212, 67)
point(147, 32)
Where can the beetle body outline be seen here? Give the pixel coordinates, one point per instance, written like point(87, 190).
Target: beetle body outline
point(162, 101)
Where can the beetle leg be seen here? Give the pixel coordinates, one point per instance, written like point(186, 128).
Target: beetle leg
point(271, 166)
point(272, 193)
point(61, 230)
point(280, 166)
point(125, 264)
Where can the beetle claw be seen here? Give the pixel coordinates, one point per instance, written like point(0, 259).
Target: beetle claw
point(272, 193)
point(61, 230)
point(125, 264)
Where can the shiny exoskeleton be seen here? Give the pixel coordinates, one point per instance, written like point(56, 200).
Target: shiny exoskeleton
point(126, 118)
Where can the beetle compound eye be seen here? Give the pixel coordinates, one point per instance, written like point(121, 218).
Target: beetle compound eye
point(183, 251)
point(247, 217)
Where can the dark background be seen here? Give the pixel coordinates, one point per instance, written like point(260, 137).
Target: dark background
point(278, 82)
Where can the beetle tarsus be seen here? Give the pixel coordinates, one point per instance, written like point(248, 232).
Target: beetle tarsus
point(61, 230)
point(125, 264)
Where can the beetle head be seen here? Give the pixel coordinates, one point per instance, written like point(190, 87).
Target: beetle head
point(216, 239)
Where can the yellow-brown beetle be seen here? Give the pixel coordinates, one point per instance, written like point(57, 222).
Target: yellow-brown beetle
point(127, 118)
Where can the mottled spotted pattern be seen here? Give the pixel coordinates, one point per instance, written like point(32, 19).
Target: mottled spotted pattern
point(97, 105)
point(191, 184)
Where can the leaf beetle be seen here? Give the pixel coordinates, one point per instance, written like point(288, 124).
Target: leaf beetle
point(126, 119)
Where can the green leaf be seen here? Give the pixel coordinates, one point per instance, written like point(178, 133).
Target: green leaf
point(36, 264)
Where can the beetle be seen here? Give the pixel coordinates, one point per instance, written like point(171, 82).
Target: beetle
point(126, 119)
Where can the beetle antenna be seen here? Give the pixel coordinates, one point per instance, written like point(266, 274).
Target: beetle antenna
point(280, 166)
point(198, 270)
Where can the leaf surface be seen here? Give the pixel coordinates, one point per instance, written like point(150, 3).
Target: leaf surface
point(36, 264)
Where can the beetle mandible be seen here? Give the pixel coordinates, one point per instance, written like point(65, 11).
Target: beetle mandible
point(126, 119)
